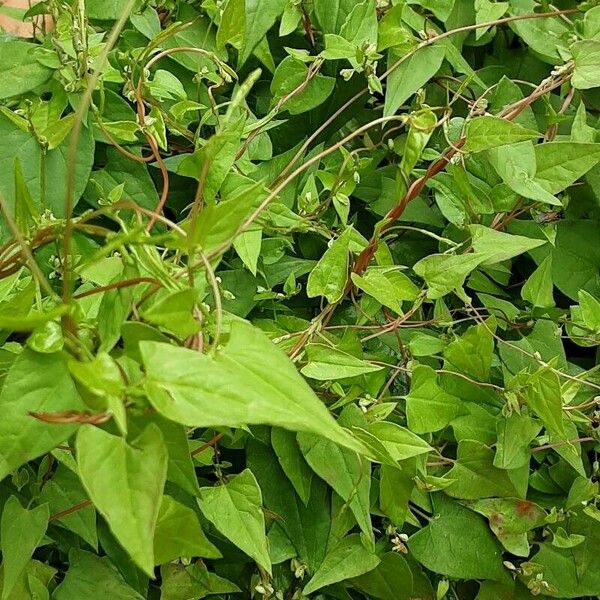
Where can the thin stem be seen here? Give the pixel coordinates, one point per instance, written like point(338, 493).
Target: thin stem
point(563, 443)
point(117, 285)
point(208, 444)
point(80, 114)
point(214, 284)
point(69, 511)
point(26, 251)
point(404, 58)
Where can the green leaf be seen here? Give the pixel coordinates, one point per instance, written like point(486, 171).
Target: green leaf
point(573, 572)
point(101, 378)
point(393, 32)
point(61, 493)
point(188, 387)
point(331, 14)
point(590, 310)
point(290, 20)
point(422, 125)
point(486, 12)
point(35, 577)
point(113, 310)
point(412, 74)
point(178, 534)
point(165, 86)
point(337, 47)
point(487, 132)
point(348, 559)
point(395, 489)
point(235, 509)
point(586, 55)
point(288, 76)
point(515, 434)
point(387, 285)
point(104, 9)
point(543, 36)
point(476, 477)
point(422, 344)
point(329, 276)
point(194, 581)
point(199, 32)
point(360, 26)
point(445, 273)
point(444, 548)
point(20, 71)
point(21, 531)
point(48, 192)
point(90, 576)
point(247, 245)
point(391, 579)
point(32, 321)
point(580, 130)
point(125, 483)
point(591, 23)
point(560, 164)
point(498, 246)
point(543, 396)
point(180, 468)
point(538, 289)
point(329, 363)
point(575, 262)
point(217, 224)
point(232, 27)
point(146, 22)
point(133, 176)
point(472, 353)
point(401, 443)
point(212, 162)
point(38, 383)
point(175, 313)
point(429, 407)
point(442, 9)
point(562, 539)
point(26, 214)
point(516, 164)
point(260, 16)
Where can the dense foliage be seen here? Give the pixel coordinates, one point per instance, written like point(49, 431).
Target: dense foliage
point(300, 298)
